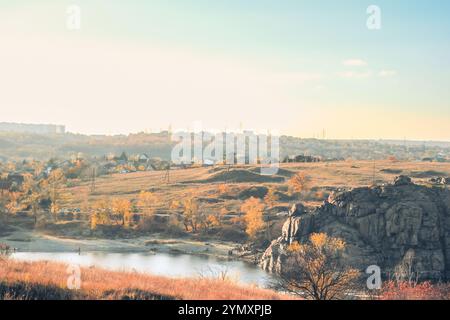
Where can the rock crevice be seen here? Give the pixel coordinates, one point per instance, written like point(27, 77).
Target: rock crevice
point(382, 225)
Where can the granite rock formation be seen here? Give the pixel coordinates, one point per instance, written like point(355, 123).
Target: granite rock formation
point(387, 225)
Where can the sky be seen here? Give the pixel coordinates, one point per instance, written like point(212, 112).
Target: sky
point(302, 68)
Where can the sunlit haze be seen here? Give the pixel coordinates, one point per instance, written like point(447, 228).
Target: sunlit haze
point(296, 67)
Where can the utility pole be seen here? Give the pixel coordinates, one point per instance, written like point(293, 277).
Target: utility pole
point(166, 177)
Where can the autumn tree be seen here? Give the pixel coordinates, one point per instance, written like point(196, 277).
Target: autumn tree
point(211, 221)
point(38, 168)
point(13, 203)
point(176, 216)
point(175, 205)
point(215, 219)
point(315, 270)
point(33, 195)
point(122, 208)
point(10, 166)
point(222, 213)
point(3, 202)
point(299, 183)
point(223, 189)
point(253, 210)
point(191, 214)
point(147, 202)
point(55, 183)
point(270, 198)
point(100, 213)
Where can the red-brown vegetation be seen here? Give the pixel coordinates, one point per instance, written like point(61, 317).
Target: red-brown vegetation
point(48, 280)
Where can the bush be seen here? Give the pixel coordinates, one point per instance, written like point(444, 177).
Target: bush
point(232, 233)
point(404, 290)
point(32, 291)
point(155, 224)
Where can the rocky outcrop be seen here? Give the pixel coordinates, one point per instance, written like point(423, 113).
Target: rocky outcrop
point(383, 225)
point(440, 181)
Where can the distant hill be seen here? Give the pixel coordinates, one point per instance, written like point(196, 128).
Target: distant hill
point(24, 145)
point(31, 128)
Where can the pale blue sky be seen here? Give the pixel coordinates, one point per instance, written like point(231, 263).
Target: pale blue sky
point(293, 66)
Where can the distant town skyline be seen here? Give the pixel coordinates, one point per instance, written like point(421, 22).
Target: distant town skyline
point(296, 67)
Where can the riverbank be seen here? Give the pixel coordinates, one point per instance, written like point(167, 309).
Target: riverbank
point(21, 233)
point(48, 280)
point(25, 240)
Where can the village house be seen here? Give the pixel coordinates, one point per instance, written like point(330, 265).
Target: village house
point(300, 159)
point(15, 178)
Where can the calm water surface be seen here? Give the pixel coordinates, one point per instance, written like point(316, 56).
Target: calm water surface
point(160, 264)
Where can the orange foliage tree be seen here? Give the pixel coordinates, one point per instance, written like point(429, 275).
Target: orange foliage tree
point(147, 202)
point(216, 219)
point(253, 210)
point(122, 209)
point(315, 271)
point(13, 204)
point(55, 183)
point(299, 183)
point(223, 189)
point(271, 197)
point(191, 214)
point(100, 213)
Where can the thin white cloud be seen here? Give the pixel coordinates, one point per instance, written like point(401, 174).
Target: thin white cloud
point(387, 73)
point(296, 77)
point(354, 63)
point(355, 75)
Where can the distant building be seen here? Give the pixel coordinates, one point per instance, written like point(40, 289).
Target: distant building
point(15, 178)
point(143, 158)
point(300, 158)
point(32, 128)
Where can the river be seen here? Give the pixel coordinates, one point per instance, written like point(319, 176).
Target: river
point(166, 264)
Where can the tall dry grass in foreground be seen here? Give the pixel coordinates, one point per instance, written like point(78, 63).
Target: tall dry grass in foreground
point(48, 280)
point(404, 290)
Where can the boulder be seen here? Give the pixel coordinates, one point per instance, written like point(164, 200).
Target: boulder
point(402, 181)
point(440, 180)
point(382, 225)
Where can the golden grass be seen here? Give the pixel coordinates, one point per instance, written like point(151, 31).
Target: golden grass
point(48, 280)
point(322, 175)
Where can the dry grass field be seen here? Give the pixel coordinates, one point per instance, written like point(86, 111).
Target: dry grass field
point(48, 281)
point(204, 183)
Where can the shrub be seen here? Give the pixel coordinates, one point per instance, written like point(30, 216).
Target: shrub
point(232, 233)
point(34, 291)
point(316, 271)
point(406, 290)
